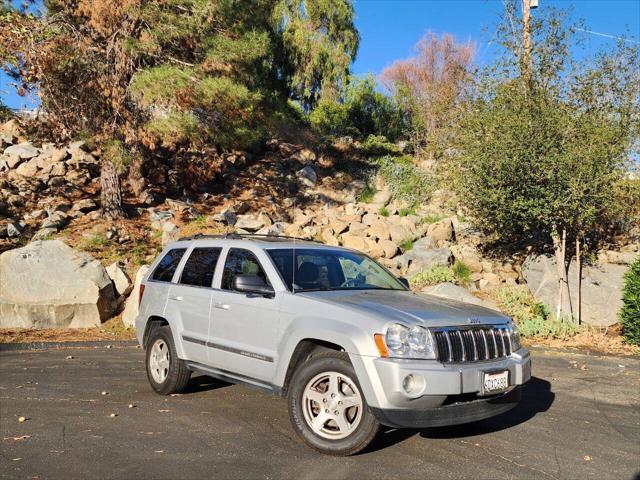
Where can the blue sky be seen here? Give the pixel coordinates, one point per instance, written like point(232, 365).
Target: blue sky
point(390, 28)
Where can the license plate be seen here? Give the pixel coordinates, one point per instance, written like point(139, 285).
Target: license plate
point(493, 382)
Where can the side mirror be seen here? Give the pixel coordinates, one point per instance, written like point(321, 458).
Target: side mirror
point(252, 284)
point(404, 281)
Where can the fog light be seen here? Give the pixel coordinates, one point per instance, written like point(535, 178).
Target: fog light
point(409, 383)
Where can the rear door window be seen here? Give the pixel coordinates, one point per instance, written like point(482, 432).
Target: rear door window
point(199, 267)
point(168, 265)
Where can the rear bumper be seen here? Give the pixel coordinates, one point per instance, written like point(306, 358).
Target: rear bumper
point(453, 414)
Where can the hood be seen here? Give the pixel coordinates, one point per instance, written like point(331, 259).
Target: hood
point(409, 307)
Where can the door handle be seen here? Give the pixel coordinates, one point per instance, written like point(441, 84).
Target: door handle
point(177, 299)
point(222, 306)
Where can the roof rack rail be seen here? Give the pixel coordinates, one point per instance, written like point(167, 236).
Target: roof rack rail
point(240, 236)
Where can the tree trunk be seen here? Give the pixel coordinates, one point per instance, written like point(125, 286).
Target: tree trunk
point(564, 299)
point(110, 193)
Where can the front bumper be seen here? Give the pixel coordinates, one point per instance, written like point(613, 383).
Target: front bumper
point(453, 414)
point(443, 394)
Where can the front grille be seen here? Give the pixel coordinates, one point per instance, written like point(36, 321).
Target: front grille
point(475, 344)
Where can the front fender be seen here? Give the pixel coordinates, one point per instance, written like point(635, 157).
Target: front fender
point(353, 340)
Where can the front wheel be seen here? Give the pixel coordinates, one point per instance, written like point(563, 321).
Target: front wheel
point(327, 407)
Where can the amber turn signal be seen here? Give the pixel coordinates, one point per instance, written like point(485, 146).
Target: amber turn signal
point(382, 348)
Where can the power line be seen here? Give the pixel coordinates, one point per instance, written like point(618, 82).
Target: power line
point(608, 36)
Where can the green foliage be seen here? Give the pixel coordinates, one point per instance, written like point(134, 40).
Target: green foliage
point(378, 145)
point(360, 112)
point(458, 274)
point(532, 317)
point(462, 272)
point(179, 74)
point(406, 181)
point(630, 311)
point(432, 276)
point(367, 194)
point(538, 151)
point(406, 245)
point(93, 243)
point(406, 211)
point(383, 211)
point(317, 40)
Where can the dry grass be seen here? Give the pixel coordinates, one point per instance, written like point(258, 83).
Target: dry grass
point(604, 340)
point(113, 329)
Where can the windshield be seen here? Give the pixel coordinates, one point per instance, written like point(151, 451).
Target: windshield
point(320, 269)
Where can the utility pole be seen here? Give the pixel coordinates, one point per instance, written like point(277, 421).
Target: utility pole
point(527, 5)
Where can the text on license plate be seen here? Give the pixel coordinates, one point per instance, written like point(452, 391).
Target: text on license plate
point(496, 381)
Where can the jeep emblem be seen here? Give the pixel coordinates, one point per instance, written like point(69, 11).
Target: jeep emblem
point(474, 321)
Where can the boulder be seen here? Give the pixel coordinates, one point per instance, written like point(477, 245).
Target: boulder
point(308, 176)
point(47, 284)
point(44, 233)
point(121, 280)
point(275, 229)
point(28, 169)
point(13, 161)
point(351, 241)
point(249, 223)
point(57, 220)
point(416, 260)
point(170, 233)
point(14, 229)
point(131, 306)
point(328, 237)
point(23, 150)
point(399, 233)
point(226, 216)
point(379, 230)
point(389, 248)
point(85, 205)
point(601, 287)
point(441, 231)
point(458, 293)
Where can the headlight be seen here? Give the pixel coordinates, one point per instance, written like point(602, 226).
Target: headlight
point(414, 342)
point(514, 335)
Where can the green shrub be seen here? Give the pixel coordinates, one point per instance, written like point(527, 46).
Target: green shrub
point(367, 194)
point(432, 276)
point(384, 211)
point(630, 311)
point(462, 272)
point(403, 212)
point(378, 145)
point(406, 181)
point(532, 317)
point(360, 112)
point(406, 245)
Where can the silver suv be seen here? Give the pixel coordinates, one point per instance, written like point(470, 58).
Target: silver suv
point(347, 343)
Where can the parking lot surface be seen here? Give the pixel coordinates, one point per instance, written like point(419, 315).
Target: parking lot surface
point(95, 416)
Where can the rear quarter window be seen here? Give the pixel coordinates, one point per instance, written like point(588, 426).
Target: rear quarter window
point(168, 265)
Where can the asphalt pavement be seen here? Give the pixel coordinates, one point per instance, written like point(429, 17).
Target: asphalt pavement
point(579, 419)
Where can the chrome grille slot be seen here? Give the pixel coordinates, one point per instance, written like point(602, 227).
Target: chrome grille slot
point(473, 344)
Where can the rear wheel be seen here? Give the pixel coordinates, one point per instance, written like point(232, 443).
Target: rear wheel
point(327, 407)
point(166, 372)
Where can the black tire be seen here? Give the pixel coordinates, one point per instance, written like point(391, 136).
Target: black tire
point(360, 437)
point(177, 373)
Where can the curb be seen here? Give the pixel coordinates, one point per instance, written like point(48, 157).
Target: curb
point(14, 347)
point(576, 351)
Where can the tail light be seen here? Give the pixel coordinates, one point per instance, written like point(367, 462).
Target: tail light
point(140, 293)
